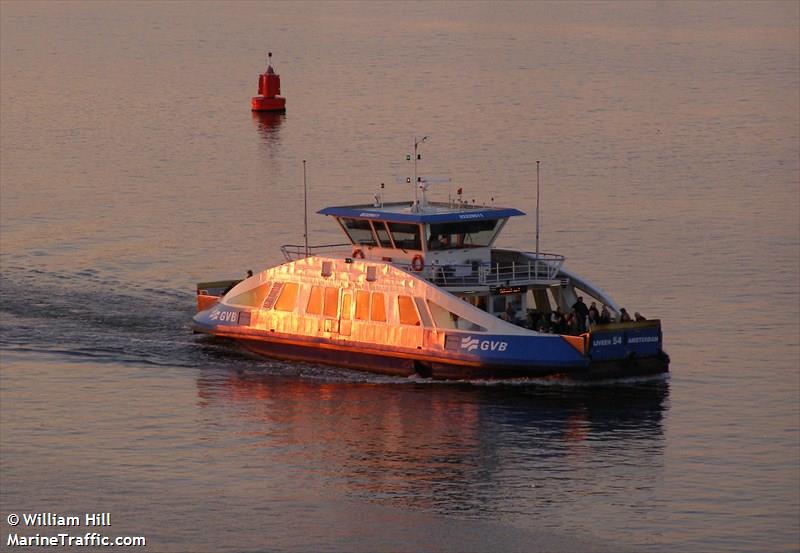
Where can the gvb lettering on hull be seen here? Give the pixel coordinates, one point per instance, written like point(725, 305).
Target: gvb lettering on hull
point(472, 344)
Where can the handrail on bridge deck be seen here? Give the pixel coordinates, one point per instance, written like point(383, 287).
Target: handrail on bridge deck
point(541, 267)
point(545, 267)
point(293, 252)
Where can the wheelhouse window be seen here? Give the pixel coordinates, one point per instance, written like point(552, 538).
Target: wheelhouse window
point(383, 234)
point(359, 231)
point(406, 236)
point(464, 234)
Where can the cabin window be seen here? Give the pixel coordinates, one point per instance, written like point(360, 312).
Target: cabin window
point(407, 310)
point(359, 231)
point(252, 298)
point(288, 297)
point(383, 234)
point(327, 268)
point(269, 301)
point(423, 312)
point(362, 305)
point(378, 307)
point(331, 302)
point(347, 300)
point(406, 236)
point(464, 234)
point(314, 306)
point(444, 318)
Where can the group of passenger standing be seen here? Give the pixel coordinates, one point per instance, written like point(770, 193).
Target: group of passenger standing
point(579, 319)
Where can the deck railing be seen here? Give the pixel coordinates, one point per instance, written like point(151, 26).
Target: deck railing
point(293, 252)
point(543, 268)
point(540, 267)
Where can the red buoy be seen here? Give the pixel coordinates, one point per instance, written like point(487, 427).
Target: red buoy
point(269, 86)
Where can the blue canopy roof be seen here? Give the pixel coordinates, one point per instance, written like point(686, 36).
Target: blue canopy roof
point(434, 213)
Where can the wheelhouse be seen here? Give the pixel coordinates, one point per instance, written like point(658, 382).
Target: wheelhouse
point(395, 231)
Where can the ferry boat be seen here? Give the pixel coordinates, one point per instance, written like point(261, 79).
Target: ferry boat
point(420, 288)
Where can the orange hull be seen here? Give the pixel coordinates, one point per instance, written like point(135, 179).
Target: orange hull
point(262, 103)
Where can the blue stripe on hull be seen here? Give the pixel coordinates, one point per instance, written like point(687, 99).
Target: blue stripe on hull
point(459, 367)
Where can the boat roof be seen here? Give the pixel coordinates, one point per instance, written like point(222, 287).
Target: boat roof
point(402, 212)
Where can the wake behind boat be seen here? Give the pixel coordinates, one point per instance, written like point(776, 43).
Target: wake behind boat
point(420, 288)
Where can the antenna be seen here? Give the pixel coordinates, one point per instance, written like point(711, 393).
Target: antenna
point(537, 214)
point(416, 180)
point(305, 204)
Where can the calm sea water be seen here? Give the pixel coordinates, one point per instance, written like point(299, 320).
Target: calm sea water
point(132, 167)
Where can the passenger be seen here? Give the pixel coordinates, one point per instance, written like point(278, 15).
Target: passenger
point(638, 317)
point(593, 312)
point(575, 326)
point(511, 313)
point(581, 311)
point(605, 316)
point(249, 273)
point(593, 318)
point(623, 316)
point(555, 319)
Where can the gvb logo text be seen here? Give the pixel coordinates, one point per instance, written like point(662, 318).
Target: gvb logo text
point(471, 344)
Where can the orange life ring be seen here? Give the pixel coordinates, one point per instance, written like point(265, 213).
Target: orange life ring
point(358, 254)
point(417, 263)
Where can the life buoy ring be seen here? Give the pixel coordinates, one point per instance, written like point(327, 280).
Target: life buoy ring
point(417, 263)
point(358, 254)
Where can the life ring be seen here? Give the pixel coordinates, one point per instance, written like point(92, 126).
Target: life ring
point(417, 263)
point(358, 254)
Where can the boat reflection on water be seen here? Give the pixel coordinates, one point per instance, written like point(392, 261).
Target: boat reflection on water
point(268, 124)
point(450, 448)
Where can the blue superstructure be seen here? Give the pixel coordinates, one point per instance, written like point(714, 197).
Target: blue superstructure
point(435, 213)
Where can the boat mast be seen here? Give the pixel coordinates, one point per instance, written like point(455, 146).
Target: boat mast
point(537, 213)
point(416, 181)
point(305, 208)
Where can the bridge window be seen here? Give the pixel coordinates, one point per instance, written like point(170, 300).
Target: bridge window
point(251, 298)
point(359, 231)
point(383, 234)
point(406, 236)
point(464, 234)
point(288, 297)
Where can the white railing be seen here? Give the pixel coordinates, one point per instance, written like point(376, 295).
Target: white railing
point(293, 252)
point(545, 267)
point(541, 269)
